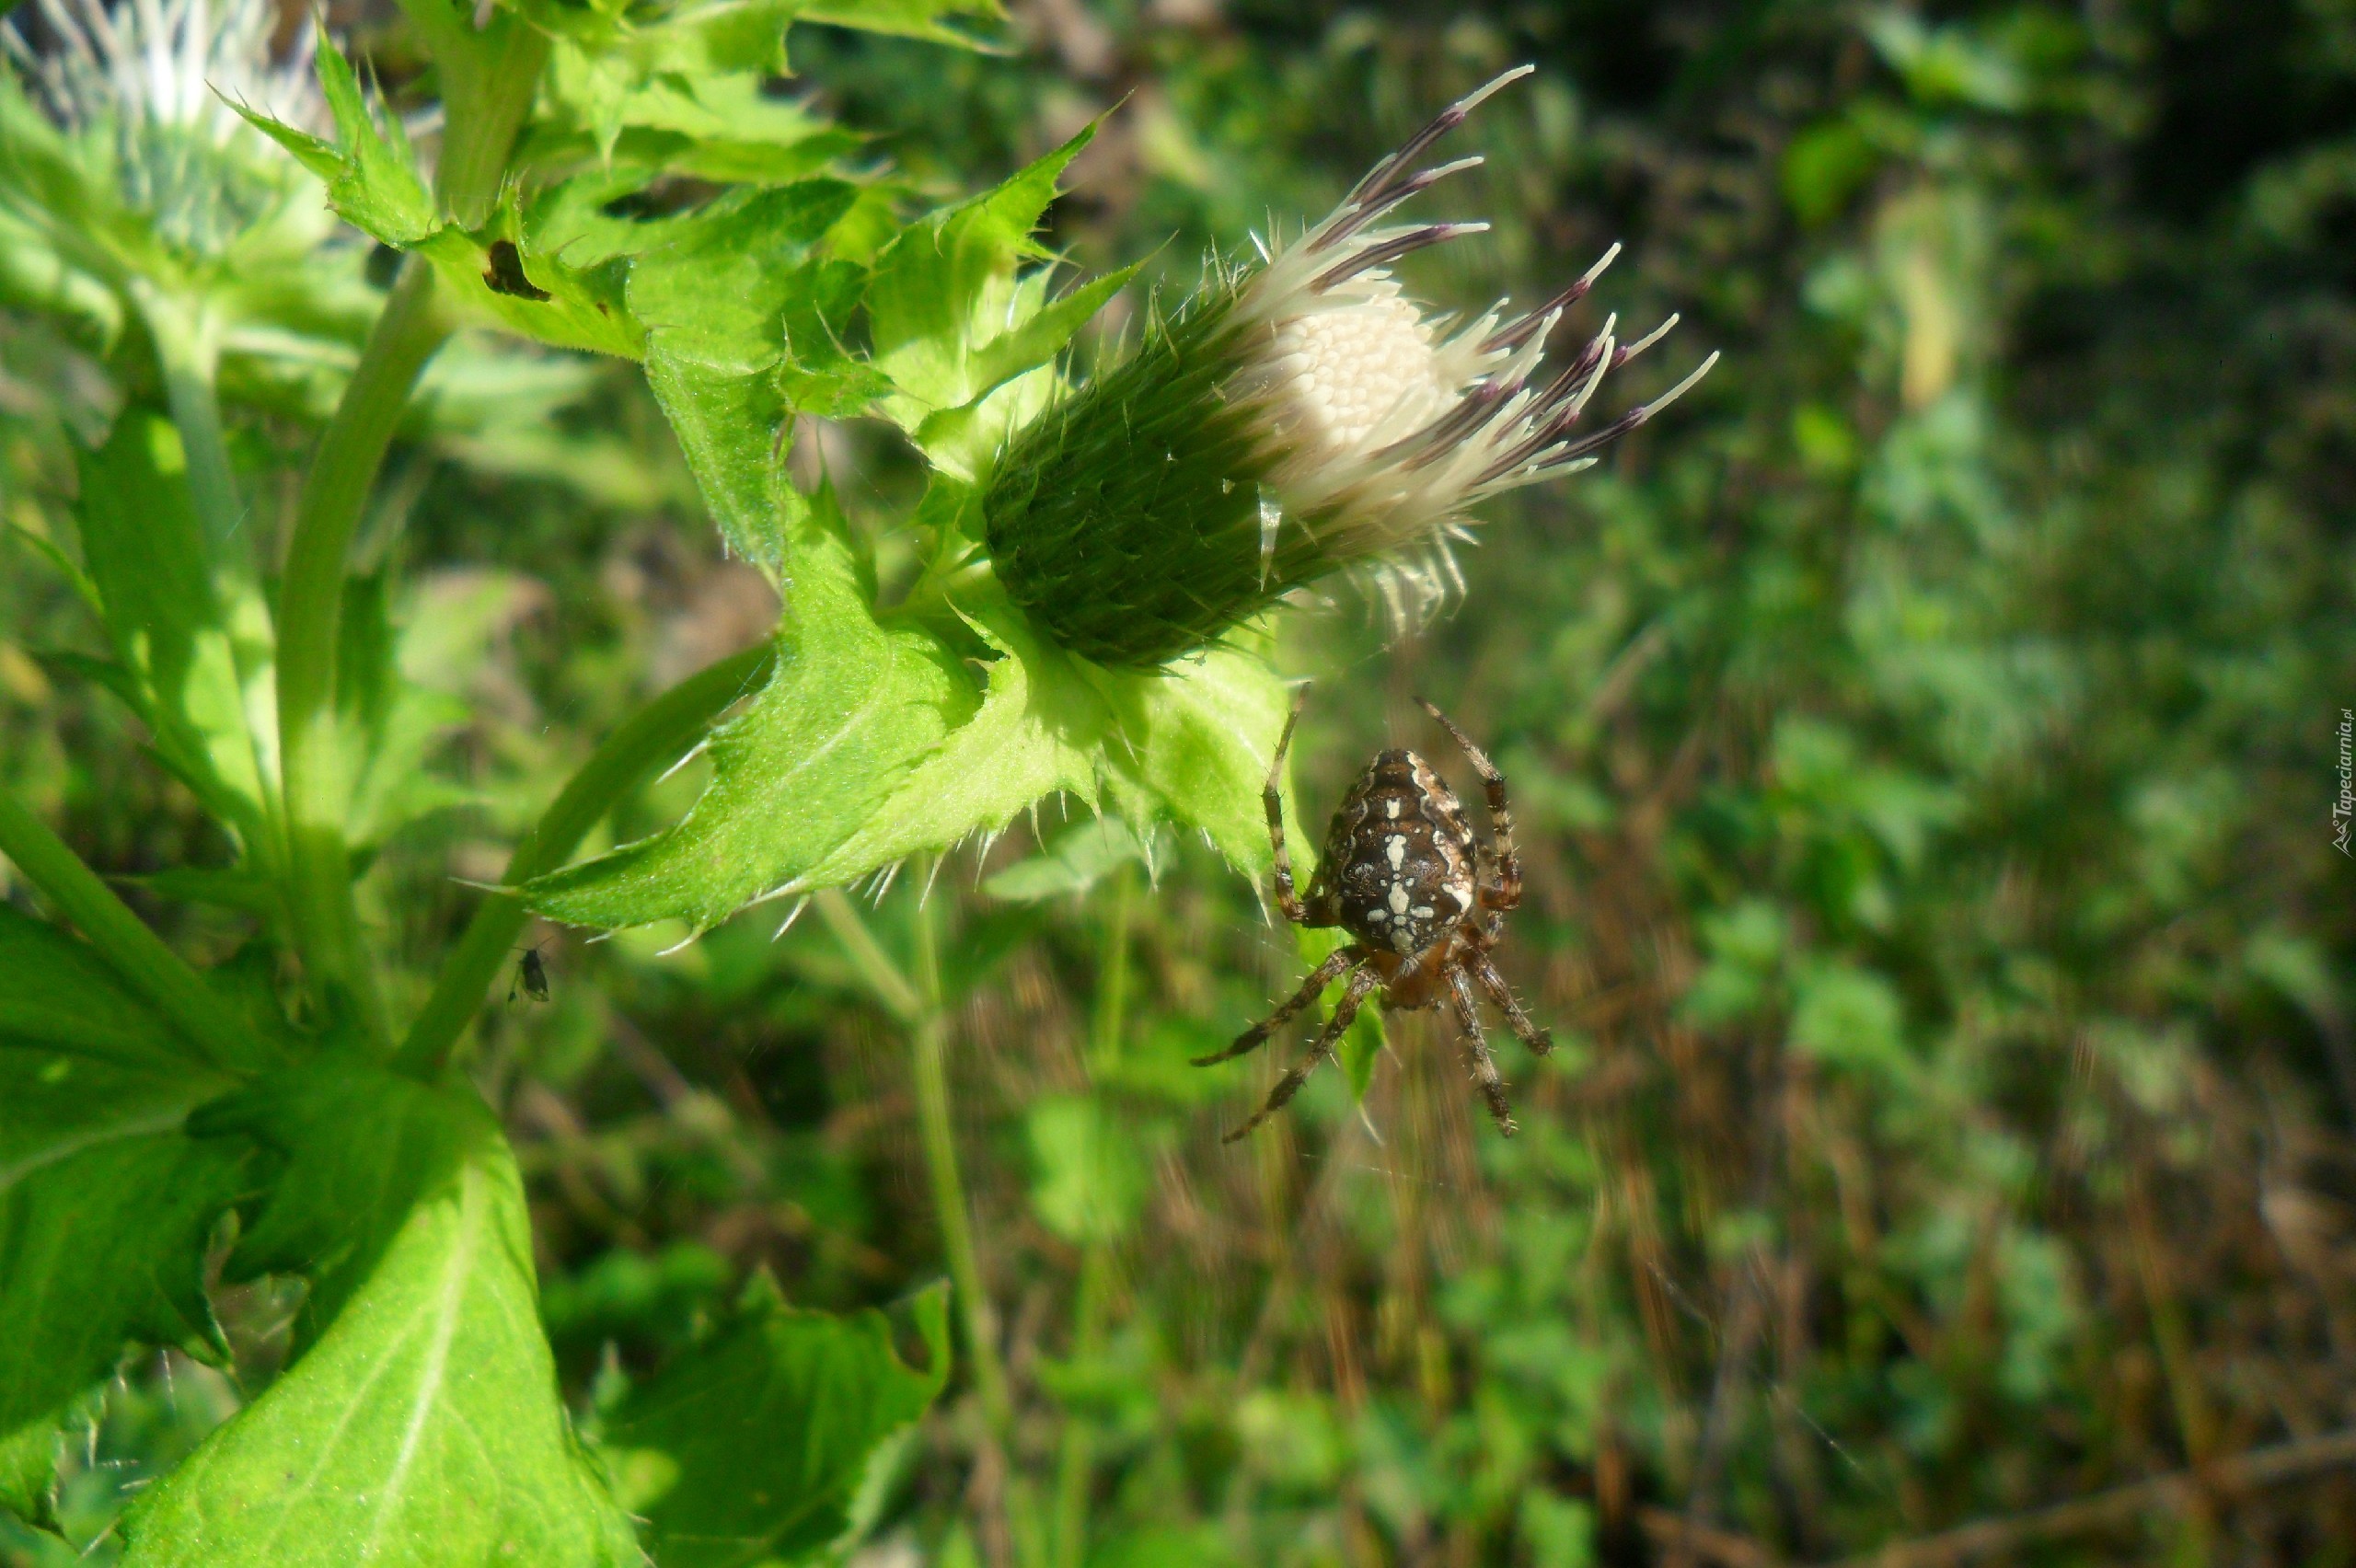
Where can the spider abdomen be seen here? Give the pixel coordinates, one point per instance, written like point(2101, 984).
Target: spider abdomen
point(1400, 865)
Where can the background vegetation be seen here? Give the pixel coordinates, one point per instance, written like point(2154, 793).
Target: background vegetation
point(1925, 740)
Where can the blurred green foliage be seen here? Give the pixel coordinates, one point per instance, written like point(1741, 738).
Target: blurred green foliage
point(1924, 742)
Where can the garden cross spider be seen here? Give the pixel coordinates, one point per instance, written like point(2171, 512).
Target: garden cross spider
point(1424, 899)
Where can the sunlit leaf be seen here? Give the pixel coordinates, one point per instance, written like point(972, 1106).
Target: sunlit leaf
point(358, 1150)
point(853, 707)
point(1194, 745)
point(952, 322)
point(106, 1207)
point(714, 302)
point(373, 181)
point(1039, 730)
point(425, 1414)
point(148, 554)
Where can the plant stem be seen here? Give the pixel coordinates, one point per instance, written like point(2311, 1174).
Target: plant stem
point(310, 611)
point(939, 1135)
point(135, 952)
point(489, 77)
point(652, 738)
point(867, 955)
point(991, 1387)
point(1111, 1019)
point(1075, 1461)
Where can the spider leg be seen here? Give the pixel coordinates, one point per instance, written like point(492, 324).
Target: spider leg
point(1507, 893)
point(1362, 983)
point(1540, 1041)
point(1324, 974)
point(1484, 1067)
point(1287, 899)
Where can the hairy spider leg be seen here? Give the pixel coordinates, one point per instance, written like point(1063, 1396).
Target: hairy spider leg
point(1507, 893)
point(1324, 974)
point(1484, 1067)
point(1362, 984)
point(1287, 900)
point(1540, 1041)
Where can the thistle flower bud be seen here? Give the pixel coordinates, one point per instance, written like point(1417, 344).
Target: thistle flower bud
point(145, 88)
point(1290, 420)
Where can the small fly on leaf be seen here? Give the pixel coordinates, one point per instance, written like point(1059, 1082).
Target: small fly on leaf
point(531, 977)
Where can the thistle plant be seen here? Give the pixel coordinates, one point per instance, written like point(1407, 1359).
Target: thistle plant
point(135, 202)
point(146, 90)
point(1290, 420)
point(1296, 419)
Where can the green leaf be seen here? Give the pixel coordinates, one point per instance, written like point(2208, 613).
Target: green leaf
point(1087, 1184)
point(953, 324)
point(28, 1471)
point(629, 46)
point(503, 277)
point(854, 705)
point(622, 49)
point(359, 1148)
point(1195, 743)
point(1040, 729)
point(928, 19)
point(371, 175)
point(1850, 1018)
point(714, 304)
point(872, 744)
point(106, 1207)
point(962, 438)
point(819, 375)
point(55, 994)
point(422, 1426)
point(393, 723)
point(1078, 860)
point(148, 556)
point(725, 128)
point(501, 274)
point(755, 1446)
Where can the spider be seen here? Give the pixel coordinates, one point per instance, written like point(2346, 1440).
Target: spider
point(1423, 899)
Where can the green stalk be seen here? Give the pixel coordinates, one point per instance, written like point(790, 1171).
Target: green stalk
point(489, 77)
point(867, 955)
point(1111, 1019)
point(919, 1004)
point(310, 610)
point(939, 1135)
point(123, 941)
point(1076, 1456)
point(1075, 1459)
point(653, 738)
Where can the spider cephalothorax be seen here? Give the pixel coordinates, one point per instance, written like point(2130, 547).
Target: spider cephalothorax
point(1423, 899)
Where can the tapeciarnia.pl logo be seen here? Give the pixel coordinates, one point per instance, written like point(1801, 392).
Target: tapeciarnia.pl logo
point(2344, 809)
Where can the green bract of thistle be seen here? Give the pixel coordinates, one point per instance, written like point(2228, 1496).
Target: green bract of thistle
point(1290, 420)
point(126, 176)
point(901, 724)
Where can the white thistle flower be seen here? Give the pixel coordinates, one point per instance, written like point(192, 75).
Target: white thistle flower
point(1291, 421)
point(145, 88)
